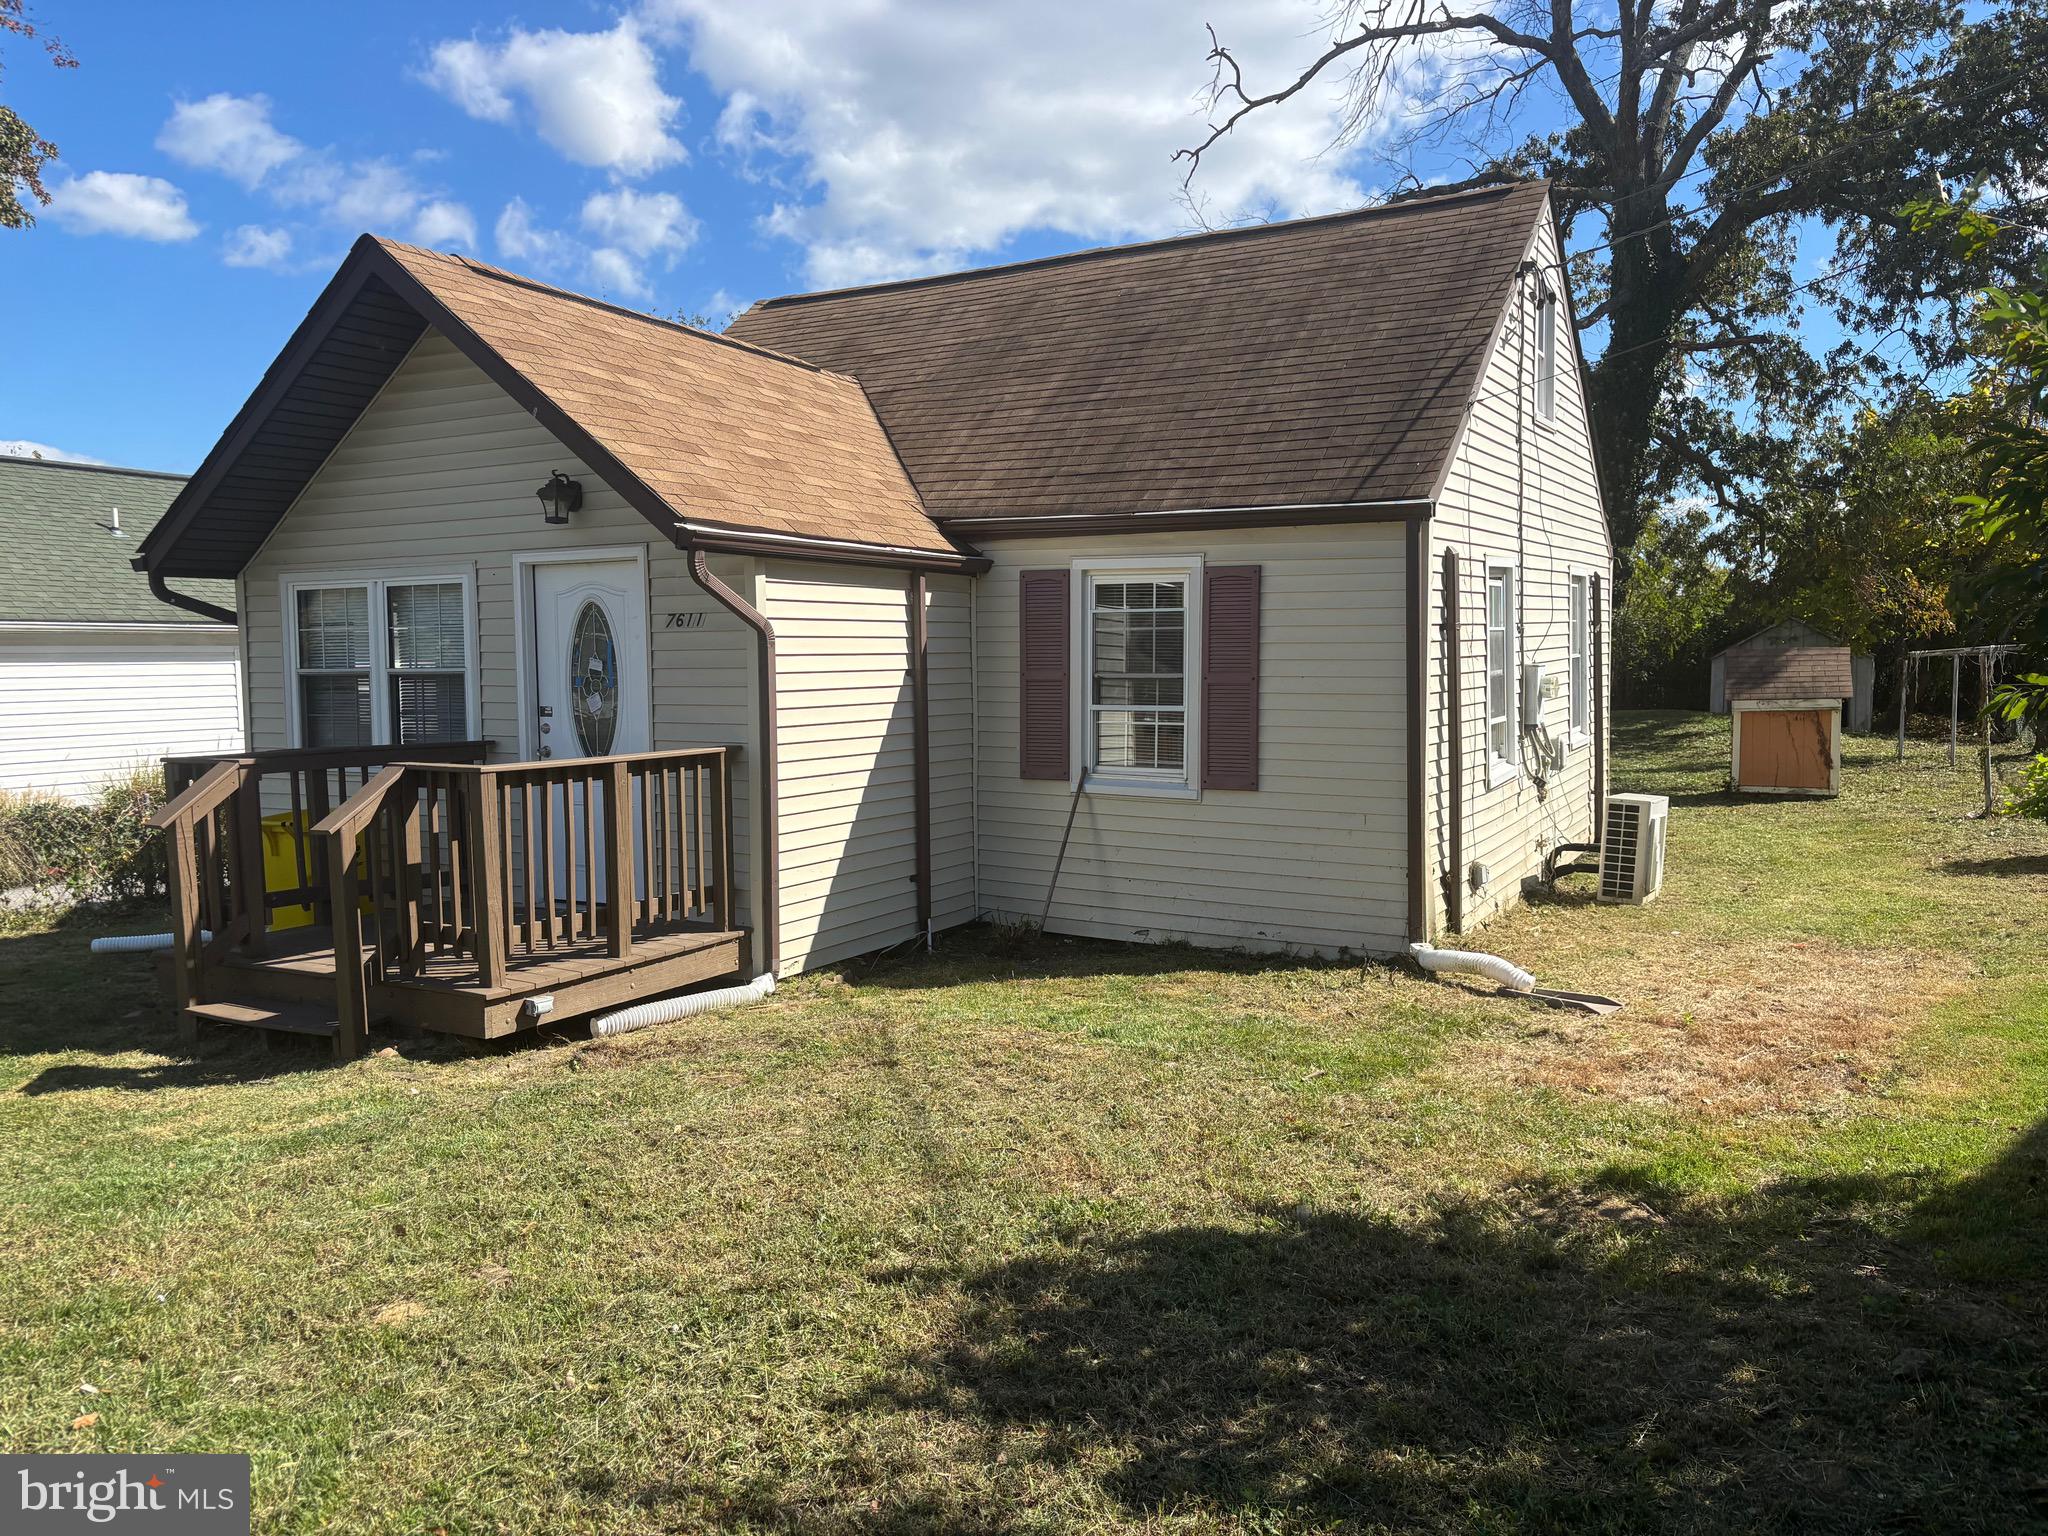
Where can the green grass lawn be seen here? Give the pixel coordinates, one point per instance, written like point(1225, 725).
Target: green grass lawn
point(1052, 1236)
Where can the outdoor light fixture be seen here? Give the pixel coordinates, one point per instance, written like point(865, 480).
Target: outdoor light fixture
point(559, 497)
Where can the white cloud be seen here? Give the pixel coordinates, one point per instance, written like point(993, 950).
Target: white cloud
point(614, 272)
point(230, 134)
point(645, 223)
point(595, 96)
point(252, 245)
point(444, 223)
point(121, 203)
point(24, 448)
point(924, 133)
point(520, 238)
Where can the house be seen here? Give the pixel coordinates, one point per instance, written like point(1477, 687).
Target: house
point(1271, 562)
point(96, 675)
point(1786, 732)
point(1797, 633)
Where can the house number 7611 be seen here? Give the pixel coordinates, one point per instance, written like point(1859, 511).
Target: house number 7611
point(684, 621)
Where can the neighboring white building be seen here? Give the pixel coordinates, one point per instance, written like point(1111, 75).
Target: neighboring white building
point(1273, 558)
point(96, 675)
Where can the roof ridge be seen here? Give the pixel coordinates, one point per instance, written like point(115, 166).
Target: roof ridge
point(1411, 203)
point(521, 280)
point(98, 469)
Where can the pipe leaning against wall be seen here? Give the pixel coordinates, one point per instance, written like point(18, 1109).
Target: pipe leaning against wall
point(764, 847)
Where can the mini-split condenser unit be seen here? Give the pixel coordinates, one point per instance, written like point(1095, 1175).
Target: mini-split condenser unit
point(1632, 848)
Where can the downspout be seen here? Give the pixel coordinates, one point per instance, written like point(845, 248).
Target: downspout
point(767, 843)
point(1454, 709)
point(204, 609)
point(921, 736)
point(1418, 756)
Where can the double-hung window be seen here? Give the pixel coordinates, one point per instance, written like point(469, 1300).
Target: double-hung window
point(379, 661)
point(1138, 651)
point(1501, 703)
point(1581, 647)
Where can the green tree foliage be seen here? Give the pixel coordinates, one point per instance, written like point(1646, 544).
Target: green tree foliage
point(23, 151)
point(1702, 138)
point(1673, 613)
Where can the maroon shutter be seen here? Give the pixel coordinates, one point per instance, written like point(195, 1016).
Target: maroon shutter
point(1230, 677)
point(1043, 641)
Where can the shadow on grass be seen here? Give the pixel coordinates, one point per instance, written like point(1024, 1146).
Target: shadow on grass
point(1605, 1359)
point(990, 952)
point(2007, 865)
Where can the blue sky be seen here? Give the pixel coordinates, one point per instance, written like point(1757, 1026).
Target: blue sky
point(679, 155)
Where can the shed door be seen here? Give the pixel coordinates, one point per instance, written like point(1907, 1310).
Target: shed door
point(1785, 749)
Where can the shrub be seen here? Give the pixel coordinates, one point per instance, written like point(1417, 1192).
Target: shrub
point(2029, 796)
point(101, 851)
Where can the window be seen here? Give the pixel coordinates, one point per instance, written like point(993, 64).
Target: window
point(1581, 631)
point(1137, 669)
point(1546, 355)
point(1502, 755)
point(380, 662)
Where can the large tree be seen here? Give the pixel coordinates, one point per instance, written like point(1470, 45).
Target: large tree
point(1700, 138)
point(23, 151)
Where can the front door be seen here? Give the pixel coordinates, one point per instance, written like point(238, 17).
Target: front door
point(589, 661)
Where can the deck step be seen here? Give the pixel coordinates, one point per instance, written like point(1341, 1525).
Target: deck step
point(290, 1018)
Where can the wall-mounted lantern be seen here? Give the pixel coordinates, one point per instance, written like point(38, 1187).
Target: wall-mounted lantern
point(559, 497)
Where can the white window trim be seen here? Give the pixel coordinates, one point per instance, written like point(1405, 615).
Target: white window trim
point(1082, 669)
point(376, 580)
point(1501, 770)
point(1576, 736)
point(1547, 300)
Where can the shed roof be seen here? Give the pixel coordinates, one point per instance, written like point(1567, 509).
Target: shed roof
point(705, 436)
point(1784, 632)
point(1790, 672)
point(61, 564)
point(1319, 362)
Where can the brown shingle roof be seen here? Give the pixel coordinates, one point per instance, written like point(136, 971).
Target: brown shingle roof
point(1790, 672)
point(1321, 361)
point(724, 433)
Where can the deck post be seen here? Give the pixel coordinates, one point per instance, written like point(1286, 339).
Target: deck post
point(184, 870)
point(486, 857)
point(411, 942)
point(248, 835)
point(724, 824)
point(618, 859)
point(351, 991)
point(317, 807)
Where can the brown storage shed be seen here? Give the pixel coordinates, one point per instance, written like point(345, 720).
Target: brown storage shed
point(1786, 706)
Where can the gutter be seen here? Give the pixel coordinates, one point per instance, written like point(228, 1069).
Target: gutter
point(1418, 756)
point(767, 845)
point(1454, 756)
point(204, 609)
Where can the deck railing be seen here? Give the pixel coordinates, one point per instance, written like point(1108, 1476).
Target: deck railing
point(456, 873)
point(221, 872)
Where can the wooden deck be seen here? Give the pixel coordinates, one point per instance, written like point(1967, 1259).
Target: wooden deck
point(481, 899)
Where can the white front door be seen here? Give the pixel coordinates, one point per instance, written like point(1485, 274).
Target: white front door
point(589, 661)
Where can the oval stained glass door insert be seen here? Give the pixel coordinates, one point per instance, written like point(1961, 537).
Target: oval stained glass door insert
point(594, 680)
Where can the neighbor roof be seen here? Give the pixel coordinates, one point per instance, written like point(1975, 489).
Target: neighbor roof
point(703, 435)
point(1321, 361)
point(1790, 672)
point(60, 564)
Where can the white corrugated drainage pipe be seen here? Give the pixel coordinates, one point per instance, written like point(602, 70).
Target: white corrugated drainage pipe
point(667, 1010)
point(1492, 967)
point(137, 943)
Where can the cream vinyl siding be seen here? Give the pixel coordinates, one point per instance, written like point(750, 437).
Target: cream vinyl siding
point(846, 733)
point(1525, 493)
point(1313, 860)
point(78, 704)
point(439, 474)
point(949, 671)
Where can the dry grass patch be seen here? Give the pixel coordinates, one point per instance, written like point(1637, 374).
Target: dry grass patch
point(1766, 1028)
